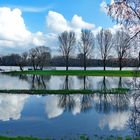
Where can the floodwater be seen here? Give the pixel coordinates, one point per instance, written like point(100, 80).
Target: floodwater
point(65, 116)
point(68, 116)
point(67, 82)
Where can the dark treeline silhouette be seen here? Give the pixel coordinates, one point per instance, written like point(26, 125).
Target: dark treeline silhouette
point(14, 60)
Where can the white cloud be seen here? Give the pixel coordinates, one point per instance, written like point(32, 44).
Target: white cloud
point(11, 106)
point(33, 9)
point(14, 33)
point(57, 23)
point(78, 22)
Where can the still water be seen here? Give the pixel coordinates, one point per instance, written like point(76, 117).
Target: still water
point(68, 116)
point(65, 116)
point(67, 82)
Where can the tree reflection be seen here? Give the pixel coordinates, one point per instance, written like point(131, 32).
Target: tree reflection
point(67, 102)
point(67, 84)
point(103, 103)
point(39, 81)
point(104, 85)
point(120, 100)
point(86, 82)
point(36, 81)
point(134, 121)
point(86, 102)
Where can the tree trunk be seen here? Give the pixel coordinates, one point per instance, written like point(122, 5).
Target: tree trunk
point(84, 82)
point(139, 61)
point(120, 63)
point(120, 83)
point(21, 68)
point(104, 64)
point(67, 83)
point(84, 62)
point(67, 62)
point(34, 65)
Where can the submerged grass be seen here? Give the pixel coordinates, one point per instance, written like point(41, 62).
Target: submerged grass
point(82, 137)
point(117, 73)
point(42, 92)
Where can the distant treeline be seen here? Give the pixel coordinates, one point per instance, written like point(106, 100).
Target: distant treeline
point(58, 61)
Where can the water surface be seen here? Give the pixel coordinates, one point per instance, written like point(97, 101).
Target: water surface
point(60, 116)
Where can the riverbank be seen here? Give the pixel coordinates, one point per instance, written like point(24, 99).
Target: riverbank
point(113, 73)
point(82, 137)
point(45, 92)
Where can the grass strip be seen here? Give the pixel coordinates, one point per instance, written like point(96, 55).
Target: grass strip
point(42, 92)
point(115, 73)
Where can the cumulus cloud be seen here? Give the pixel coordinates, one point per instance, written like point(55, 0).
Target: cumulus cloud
point(57, 23)
point(11, 106)
point(13, 31)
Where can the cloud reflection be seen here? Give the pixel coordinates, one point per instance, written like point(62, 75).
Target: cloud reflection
point(11, 106)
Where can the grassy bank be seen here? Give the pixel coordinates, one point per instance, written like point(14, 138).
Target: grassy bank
point(83, 137)
point(41, 92)
point(19, 138)
point(124, 73)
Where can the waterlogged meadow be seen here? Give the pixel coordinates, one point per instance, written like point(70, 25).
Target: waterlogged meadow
point(101, 114)
point(68, 116)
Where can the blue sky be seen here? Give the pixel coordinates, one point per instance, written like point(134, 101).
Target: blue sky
point(35, 21)
point(29, 23)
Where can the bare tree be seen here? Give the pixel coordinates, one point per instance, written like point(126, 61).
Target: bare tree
point(23, 60)
point(121, 46)
point(33, 57)
point(104, 39)
point(39, 57)
point(86, 45)
point(43, 56)
point(67, 41)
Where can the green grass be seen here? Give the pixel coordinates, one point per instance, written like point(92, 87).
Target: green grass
point(20, 138)
point(32, 92)
point(82, 137)
point(123, 73)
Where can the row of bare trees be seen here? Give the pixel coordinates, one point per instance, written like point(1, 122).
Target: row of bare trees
point(125, 12)
point(108, 45)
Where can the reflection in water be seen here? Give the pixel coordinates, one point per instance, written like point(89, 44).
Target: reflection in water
point(103, 103)
point(11, 106)
point(134, 120)
point(121, 102)
point(36, 81)
point(66, 102)
point(67, 82)
point(86, 103)
point(104, 84)
point(110, 112)
point(85, 81)
point(52, 108)
point(115, 121)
